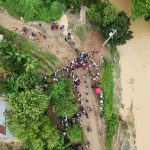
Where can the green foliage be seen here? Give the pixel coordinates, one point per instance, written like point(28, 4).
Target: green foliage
point(108, 89)
point(39, 135)
point(106, 18)
point(102, 13)
point(23, 54)
point(59, 90)
point(113, 48)
point(63, 95)
point(75, 134)
point(110, 114)
point(11, 58)
point(56, 10)
point(90, 2)
point(17, 83)
point(35, 9)
point(65, 107)
point(73, 5)
point(79, 33)
point(122, 25)
point(141, 8)
point(28, 105)
point(27, 122)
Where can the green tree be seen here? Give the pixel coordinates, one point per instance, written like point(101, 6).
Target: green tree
point(73, 5)
point(28, 105)
point(14, 60)
point(75, 133)
point(122, 25)
point(44, 10)
point(141, 8)
point(26, 120)
point(19, 83)
point(65, 108)
point(60, 89)
point(102, 13)
point(56, 9)
point(63, 96)
point(15, 51)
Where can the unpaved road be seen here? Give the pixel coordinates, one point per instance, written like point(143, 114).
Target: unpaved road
point(66, 53)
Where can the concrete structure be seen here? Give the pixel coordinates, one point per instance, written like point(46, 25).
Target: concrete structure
point(4, 132)
point(1, 37)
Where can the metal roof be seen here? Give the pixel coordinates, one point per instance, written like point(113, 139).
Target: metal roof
point(4, 132)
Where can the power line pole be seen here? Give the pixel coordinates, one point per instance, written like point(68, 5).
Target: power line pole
point(111, 34)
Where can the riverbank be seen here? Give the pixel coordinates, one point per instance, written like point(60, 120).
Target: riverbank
point(135, 73)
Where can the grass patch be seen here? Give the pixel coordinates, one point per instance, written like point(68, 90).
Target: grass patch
point(110, 113)
point(34, 10)
point(113, 49)
point(46, 61)
point(88, 24)
point(79, 33)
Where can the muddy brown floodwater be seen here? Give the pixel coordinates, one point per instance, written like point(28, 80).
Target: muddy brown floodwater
point(135, 75)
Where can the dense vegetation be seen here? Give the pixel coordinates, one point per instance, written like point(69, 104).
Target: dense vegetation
point(110, 113)
point(28, 98)
point(75, 134)
point(62, 94)
point(105, 16)
point(102, 13)
point(23, 53)
point(27, 122)
point(28, 65)
point(141, 8)
point(41, 10)
point(122, 24)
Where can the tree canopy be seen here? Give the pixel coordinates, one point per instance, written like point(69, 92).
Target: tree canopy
point(102, 13)
point(64, 97)
point(28, 105)
point(75, 134)
point(122, 25)
point(26, 120)
point(56, 9)
point(35, 10)
point(141, 8)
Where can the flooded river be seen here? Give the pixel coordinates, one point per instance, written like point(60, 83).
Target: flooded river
point(135, 76)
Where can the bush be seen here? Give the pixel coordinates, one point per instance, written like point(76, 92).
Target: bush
point(102, 13)
point(73, 5)
point(75, 133)
point(141, 8)
point(122, 25)
point(106, 17)
point(35, 9)
point(26, 120)
point(56, 9)
point(63, 95)
point(15, 46)
point(110, 113)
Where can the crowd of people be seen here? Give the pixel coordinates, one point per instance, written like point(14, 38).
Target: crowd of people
point(82, 61)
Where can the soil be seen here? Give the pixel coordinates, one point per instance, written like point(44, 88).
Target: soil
point(65, 52)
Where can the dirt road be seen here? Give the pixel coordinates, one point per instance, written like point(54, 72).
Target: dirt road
point(67, 53)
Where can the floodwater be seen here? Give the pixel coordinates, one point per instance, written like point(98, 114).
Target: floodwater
point(135, 75)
